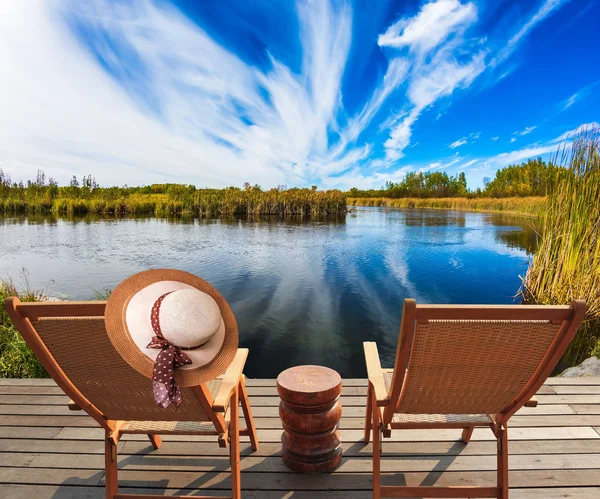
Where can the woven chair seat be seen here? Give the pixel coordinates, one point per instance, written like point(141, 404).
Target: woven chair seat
point(467, 419)
point(165, 427)
point(176, 427)
point(401, 418)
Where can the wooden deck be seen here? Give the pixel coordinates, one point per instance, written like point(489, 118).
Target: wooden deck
point(48, 451)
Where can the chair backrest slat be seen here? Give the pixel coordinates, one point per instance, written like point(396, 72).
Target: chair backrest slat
point(476, 359)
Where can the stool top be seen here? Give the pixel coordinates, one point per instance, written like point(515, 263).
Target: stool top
point(309, 384)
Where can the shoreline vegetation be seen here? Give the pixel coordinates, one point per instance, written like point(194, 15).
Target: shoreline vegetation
point(566, 264)
point(529, 206)
point(45, 197)
point(563, 200)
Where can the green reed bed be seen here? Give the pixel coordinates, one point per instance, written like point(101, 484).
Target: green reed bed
point(16, 359)
point(530, 206)
point(566, 265)
point(168, 200)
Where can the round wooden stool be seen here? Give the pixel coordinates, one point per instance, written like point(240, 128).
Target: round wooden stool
point(310, 411)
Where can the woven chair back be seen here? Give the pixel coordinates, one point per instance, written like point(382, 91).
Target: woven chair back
point(472, 366)
point(82, 349)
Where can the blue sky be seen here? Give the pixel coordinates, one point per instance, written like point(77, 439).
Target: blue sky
point(328, 92)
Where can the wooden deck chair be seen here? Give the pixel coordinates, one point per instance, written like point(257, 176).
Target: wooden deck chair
point(70, 340)
point(463, 366)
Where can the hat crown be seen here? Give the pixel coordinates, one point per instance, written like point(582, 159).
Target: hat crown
point(189, 317)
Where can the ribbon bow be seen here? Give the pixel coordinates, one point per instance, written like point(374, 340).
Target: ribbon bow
point(170, 357)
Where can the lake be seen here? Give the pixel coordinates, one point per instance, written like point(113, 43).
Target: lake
point(303, 291)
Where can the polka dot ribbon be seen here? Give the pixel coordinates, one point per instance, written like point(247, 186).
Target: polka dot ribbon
point(170, 357)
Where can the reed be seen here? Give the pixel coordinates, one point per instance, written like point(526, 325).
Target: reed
point(530, 206)
point(566, 265)
point(169, 200)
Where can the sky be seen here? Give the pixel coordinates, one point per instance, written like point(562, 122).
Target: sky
point(332, 93)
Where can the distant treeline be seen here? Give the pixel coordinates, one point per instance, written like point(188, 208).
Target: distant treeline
point(532, 178)
point(44, 195)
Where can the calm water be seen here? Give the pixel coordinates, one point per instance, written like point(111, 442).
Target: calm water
point(302, 291)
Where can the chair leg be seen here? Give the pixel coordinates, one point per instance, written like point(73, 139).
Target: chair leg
point(248, 414)
point(110, 468)
point(376, 450)
point(503, 462)
point(466, 434)
point(155, 440)
point(234, 435)
point(368, 417)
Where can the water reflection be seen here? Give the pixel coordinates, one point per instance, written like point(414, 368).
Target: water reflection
point(303, 290)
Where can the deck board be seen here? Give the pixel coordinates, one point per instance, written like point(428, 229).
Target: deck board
point(48, 451)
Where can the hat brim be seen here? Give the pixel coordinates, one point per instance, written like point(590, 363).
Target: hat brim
point(208, 362)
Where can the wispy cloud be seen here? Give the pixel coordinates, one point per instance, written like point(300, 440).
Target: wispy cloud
point(431, 41)
point(525, 131)
point(513, 139)
point(137, 90)
point(546, 8)
point(486, 166)
point(458, 143)
point(576, 97)
point(471, 138)
point(190, 103)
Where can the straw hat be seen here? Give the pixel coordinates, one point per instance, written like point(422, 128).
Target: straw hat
point(159, 312)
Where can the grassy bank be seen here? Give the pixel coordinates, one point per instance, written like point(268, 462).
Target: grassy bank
point(169, 200)
point(530, 206)
point(566, 265)
point(16, 359)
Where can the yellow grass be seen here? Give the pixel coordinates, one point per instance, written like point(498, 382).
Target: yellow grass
point(530, 206)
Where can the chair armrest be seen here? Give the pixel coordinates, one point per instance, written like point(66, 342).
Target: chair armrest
point(73, 406)
point(375, 373)
point(533, 402)
point(230, 381)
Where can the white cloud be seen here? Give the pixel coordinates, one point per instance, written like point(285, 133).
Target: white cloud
point(177, 116)
point(436, 21)
point(175, 105)
point(525, 131)
point(576, 97)
point(495, 138)
point(458, 143)
point(486, 167)
point(434, 38)
point(513, 139)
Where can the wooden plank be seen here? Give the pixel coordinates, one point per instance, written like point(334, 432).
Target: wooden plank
point(274, 464)
point(588, 380)
point(586, 408)
point(262, 423)
point(569, 399)
point(270, 411)
point(66, 491)
point(577, 389)
point(404, 449)
point(186, 480)
point(558, 433)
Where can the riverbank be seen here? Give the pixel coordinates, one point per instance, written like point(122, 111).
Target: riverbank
point(528, 206)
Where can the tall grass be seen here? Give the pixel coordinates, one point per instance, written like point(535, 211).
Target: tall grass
point(567, 263)
point(530, 206)
point(184, 201)
point(16, 359)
